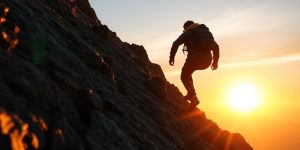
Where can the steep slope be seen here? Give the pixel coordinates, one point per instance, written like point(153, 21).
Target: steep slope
point(71, 83)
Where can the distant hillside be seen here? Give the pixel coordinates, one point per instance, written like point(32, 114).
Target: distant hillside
point(71, 84)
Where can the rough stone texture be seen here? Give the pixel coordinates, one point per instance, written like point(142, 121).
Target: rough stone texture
point(100, 92)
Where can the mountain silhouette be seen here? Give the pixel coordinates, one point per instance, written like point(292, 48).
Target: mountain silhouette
point(68, 82)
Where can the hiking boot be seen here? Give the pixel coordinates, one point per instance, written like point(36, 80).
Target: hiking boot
point(188, 97)
point(194, 102)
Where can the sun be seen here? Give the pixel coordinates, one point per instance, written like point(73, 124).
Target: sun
point(244, 97)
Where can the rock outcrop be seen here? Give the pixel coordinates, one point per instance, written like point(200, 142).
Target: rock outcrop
point(71, 83)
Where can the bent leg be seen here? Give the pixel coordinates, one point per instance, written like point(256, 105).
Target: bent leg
point(186, 78)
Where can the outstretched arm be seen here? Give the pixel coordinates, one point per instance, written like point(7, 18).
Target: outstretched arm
point(180, 40)
point(216, 56)
point(173, 53)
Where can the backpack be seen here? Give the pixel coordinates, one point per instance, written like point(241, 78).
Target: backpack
point(202, 39)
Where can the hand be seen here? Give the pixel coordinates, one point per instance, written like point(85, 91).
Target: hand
point(171, 61)
point(214, 66)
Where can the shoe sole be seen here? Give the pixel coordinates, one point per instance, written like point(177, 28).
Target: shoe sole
point(193, 106)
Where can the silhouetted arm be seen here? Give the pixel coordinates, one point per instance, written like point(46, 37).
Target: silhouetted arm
point(180, 40)
point(216, 56)
point(216, 52)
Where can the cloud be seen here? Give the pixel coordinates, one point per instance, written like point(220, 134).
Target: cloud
point(160, 46)
point(234, 25)
point(248, 33)
point(270, 61)
point(236, 65)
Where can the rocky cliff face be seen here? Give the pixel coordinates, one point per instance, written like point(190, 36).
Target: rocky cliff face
point(71, 83)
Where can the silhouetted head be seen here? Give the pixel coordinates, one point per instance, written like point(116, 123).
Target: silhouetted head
point(187, 24)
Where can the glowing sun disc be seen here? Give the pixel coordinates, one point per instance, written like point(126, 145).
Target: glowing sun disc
point(244, 97)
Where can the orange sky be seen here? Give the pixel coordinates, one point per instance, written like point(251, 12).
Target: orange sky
point(274, 124)
point(259, 43)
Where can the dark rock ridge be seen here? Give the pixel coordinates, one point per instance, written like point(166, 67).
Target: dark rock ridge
point(78, 86)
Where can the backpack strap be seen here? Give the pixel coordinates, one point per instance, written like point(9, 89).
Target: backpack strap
point(184, 49)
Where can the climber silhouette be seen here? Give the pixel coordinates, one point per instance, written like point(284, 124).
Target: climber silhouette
point(199, 43)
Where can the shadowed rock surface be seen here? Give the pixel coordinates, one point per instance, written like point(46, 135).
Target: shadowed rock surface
point(92, 90)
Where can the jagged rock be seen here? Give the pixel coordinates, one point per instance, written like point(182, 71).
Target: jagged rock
point(139, 52)
point(103, 31)
point(92, 90)
point(157, 86)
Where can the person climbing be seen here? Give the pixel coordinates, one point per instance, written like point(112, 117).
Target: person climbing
point(199, 43)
